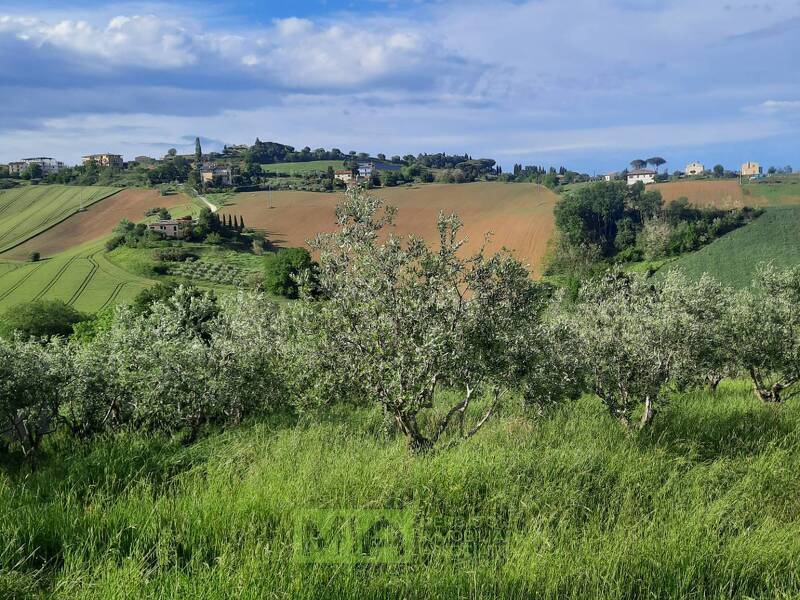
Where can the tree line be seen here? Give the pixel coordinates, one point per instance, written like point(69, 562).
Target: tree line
point(391, 322)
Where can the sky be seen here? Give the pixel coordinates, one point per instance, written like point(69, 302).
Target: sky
point(588, 84)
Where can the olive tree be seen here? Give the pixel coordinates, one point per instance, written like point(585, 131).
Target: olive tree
point(393, 320)
point(28, 393)
point(766, 320)
point(638, 338)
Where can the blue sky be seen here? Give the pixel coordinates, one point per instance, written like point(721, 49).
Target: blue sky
point(589, 84)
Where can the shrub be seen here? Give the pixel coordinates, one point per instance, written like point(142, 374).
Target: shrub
point(171, 254)
point(41, 319)
point(34, 256)
point(282, 270)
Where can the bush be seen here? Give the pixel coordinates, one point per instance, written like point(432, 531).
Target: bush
point(213, 238)
point(34, 256)
point(41, 319)
point(282, 270)
point(171, 254)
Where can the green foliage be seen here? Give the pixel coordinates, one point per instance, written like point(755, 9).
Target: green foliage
point(34, 256)
point(282, 270)
point(397, 320)
point(40, 319)
point(766, 319)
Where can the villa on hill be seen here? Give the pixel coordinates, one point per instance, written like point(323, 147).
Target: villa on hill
point(695, 168)
point(173, 228)
point(644, 175)
point(48, 165)
point(104, 160)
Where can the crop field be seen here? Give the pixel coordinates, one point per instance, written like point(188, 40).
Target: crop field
point(302, 167)
point(95, 223)
point(776, 190)
point(721, 194)
point(519, 215)
point(30, 210)
point(732, 259)
point(82, 277)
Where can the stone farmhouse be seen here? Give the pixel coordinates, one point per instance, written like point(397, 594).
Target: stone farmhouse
point(173, 228)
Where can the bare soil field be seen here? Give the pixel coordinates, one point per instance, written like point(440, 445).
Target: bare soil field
point(520, 216)
point(94, 223)
point(721, 194)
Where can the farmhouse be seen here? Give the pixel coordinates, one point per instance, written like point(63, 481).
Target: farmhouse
point(694, 168)
point(751, 168)
point(49, 165)
point(215, 175)
point(610, 176)
point(104, 160)
point(345, 175)
point(365, 169)
point(644, 175)
point(173, 228)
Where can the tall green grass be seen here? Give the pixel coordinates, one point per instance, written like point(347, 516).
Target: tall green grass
point(704, 505)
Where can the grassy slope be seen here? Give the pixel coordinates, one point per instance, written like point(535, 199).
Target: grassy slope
point(783, 189)
point(303, 167)
point(733, 258)
point(25, 212)
point(704, 505)
point(84, 277)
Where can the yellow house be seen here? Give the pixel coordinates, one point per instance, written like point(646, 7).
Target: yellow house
point(751, 168)
point(694, 168)
point(104, 160)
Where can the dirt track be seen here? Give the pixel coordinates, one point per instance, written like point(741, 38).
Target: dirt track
point(94, 223)
point(519, 215)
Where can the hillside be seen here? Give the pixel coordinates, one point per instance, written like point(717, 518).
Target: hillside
point(96, 222)
point(728, 193)
point(302, 167)
point(773, 237)
point(519, 215)
point(27, 211)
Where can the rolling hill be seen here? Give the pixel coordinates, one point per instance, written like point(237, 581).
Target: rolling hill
point(519, 215)
point(733, 259)
point(94, 223)
point(28, 211)
point(728, 193)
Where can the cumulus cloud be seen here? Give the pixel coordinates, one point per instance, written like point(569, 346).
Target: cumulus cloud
point(522, 79)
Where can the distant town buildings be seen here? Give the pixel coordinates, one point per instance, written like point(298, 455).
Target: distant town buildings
point(751, 169)
point(172, 228)
point(104, 160)
point(216, 175)
point(48, 165)
point(694, 168)
point(644, 175)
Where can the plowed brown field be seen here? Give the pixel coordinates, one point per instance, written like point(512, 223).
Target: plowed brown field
point(519, 215)
point(95, 222)
point(721, 194)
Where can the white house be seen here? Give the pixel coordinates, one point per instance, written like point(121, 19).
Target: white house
point(365, 169)
point(694, 168)
point(345, 175)
point(610, 176)
point(644, 175)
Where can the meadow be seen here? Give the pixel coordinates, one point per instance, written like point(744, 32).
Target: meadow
point(298, 168)
point(28, 211)
point(774, 237)
point(702, 505)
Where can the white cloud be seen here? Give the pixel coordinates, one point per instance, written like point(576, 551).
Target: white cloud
point(776, 107)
